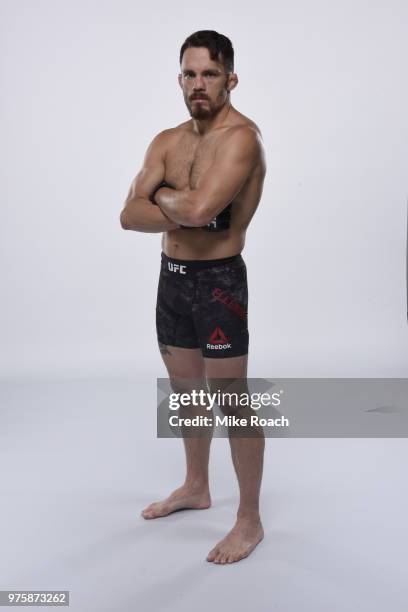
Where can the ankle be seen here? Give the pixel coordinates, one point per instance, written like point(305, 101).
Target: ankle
point(248, 516)
point(197, 485)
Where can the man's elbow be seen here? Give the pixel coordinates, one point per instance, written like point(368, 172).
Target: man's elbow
point(199, 214)
point(124, 221)
point(195, 220)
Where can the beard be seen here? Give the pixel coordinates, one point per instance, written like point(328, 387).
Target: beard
point(200, 111)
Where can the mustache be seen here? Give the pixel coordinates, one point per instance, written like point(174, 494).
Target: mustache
point(198, 97)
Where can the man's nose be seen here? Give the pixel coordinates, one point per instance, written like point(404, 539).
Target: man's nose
point(198, 82)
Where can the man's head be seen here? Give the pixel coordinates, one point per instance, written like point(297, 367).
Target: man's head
point(207, 72)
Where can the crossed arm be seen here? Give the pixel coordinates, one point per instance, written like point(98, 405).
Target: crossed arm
point(217, 187)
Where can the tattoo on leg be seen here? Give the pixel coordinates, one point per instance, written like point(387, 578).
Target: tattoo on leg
point(163, 349)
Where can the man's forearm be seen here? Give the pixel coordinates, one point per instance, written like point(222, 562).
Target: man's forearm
point(141, 215)
point(180, 206)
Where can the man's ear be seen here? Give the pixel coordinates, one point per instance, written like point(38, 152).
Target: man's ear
point(180, 81)
point(232, 81)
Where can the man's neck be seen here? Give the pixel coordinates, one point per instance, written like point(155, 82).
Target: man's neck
point(203, 126)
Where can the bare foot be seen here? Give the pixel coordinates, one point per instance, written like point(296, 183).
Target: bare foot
point(180, 499)
point(238, 543)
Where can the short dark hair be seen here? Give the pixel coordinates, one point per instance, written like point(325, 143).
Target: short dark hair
point(219, 46)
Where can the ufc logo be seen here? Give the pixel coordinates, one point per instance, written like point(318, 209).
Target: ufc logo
point(174, 267)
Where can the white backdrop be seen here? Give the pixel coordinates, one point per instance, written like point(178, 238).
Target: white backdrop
point(87, 84)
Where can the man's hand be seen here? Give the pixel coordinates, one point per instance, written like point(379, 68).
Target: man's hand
point(156, 189)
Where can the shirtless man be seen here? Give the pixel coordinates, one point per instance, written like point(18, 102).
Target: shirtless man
point(205, 177)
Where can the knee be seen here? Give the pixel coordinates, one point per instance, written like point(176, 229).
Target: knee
point(233, 394)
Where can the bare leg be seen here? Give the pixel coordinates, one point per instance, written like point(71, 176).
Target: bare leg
point(194, 493)
point(247, 456)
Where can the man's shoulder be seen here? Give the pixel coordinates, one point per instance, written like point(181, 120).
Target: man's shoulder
point(243, 135)
point(165, 139)
point(244, 125)
point(168, 135)
point(176, 130)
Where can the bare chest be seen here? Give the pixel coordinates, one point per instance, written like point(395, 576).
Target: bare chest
point(188, 159)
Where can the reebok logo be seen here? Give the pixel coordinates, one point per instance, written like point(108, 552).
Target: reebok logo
point(218, 340)
point(174, 267)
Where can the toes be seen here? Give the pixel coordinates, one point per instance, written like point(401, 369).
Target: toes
point(212, 554)
point(160, 510)
point(218, 557)
point(221, 558)
point(152, 511)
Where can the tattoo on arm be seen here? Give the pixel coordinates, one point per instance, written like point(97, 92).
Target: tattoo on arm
point(163, 349)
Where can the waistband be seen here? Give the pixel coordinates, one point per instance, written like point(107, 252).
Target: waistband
point(200, 264)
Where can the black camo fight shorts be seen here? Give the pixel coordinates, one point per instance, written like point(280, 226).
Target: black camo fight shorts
point(203, 304)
